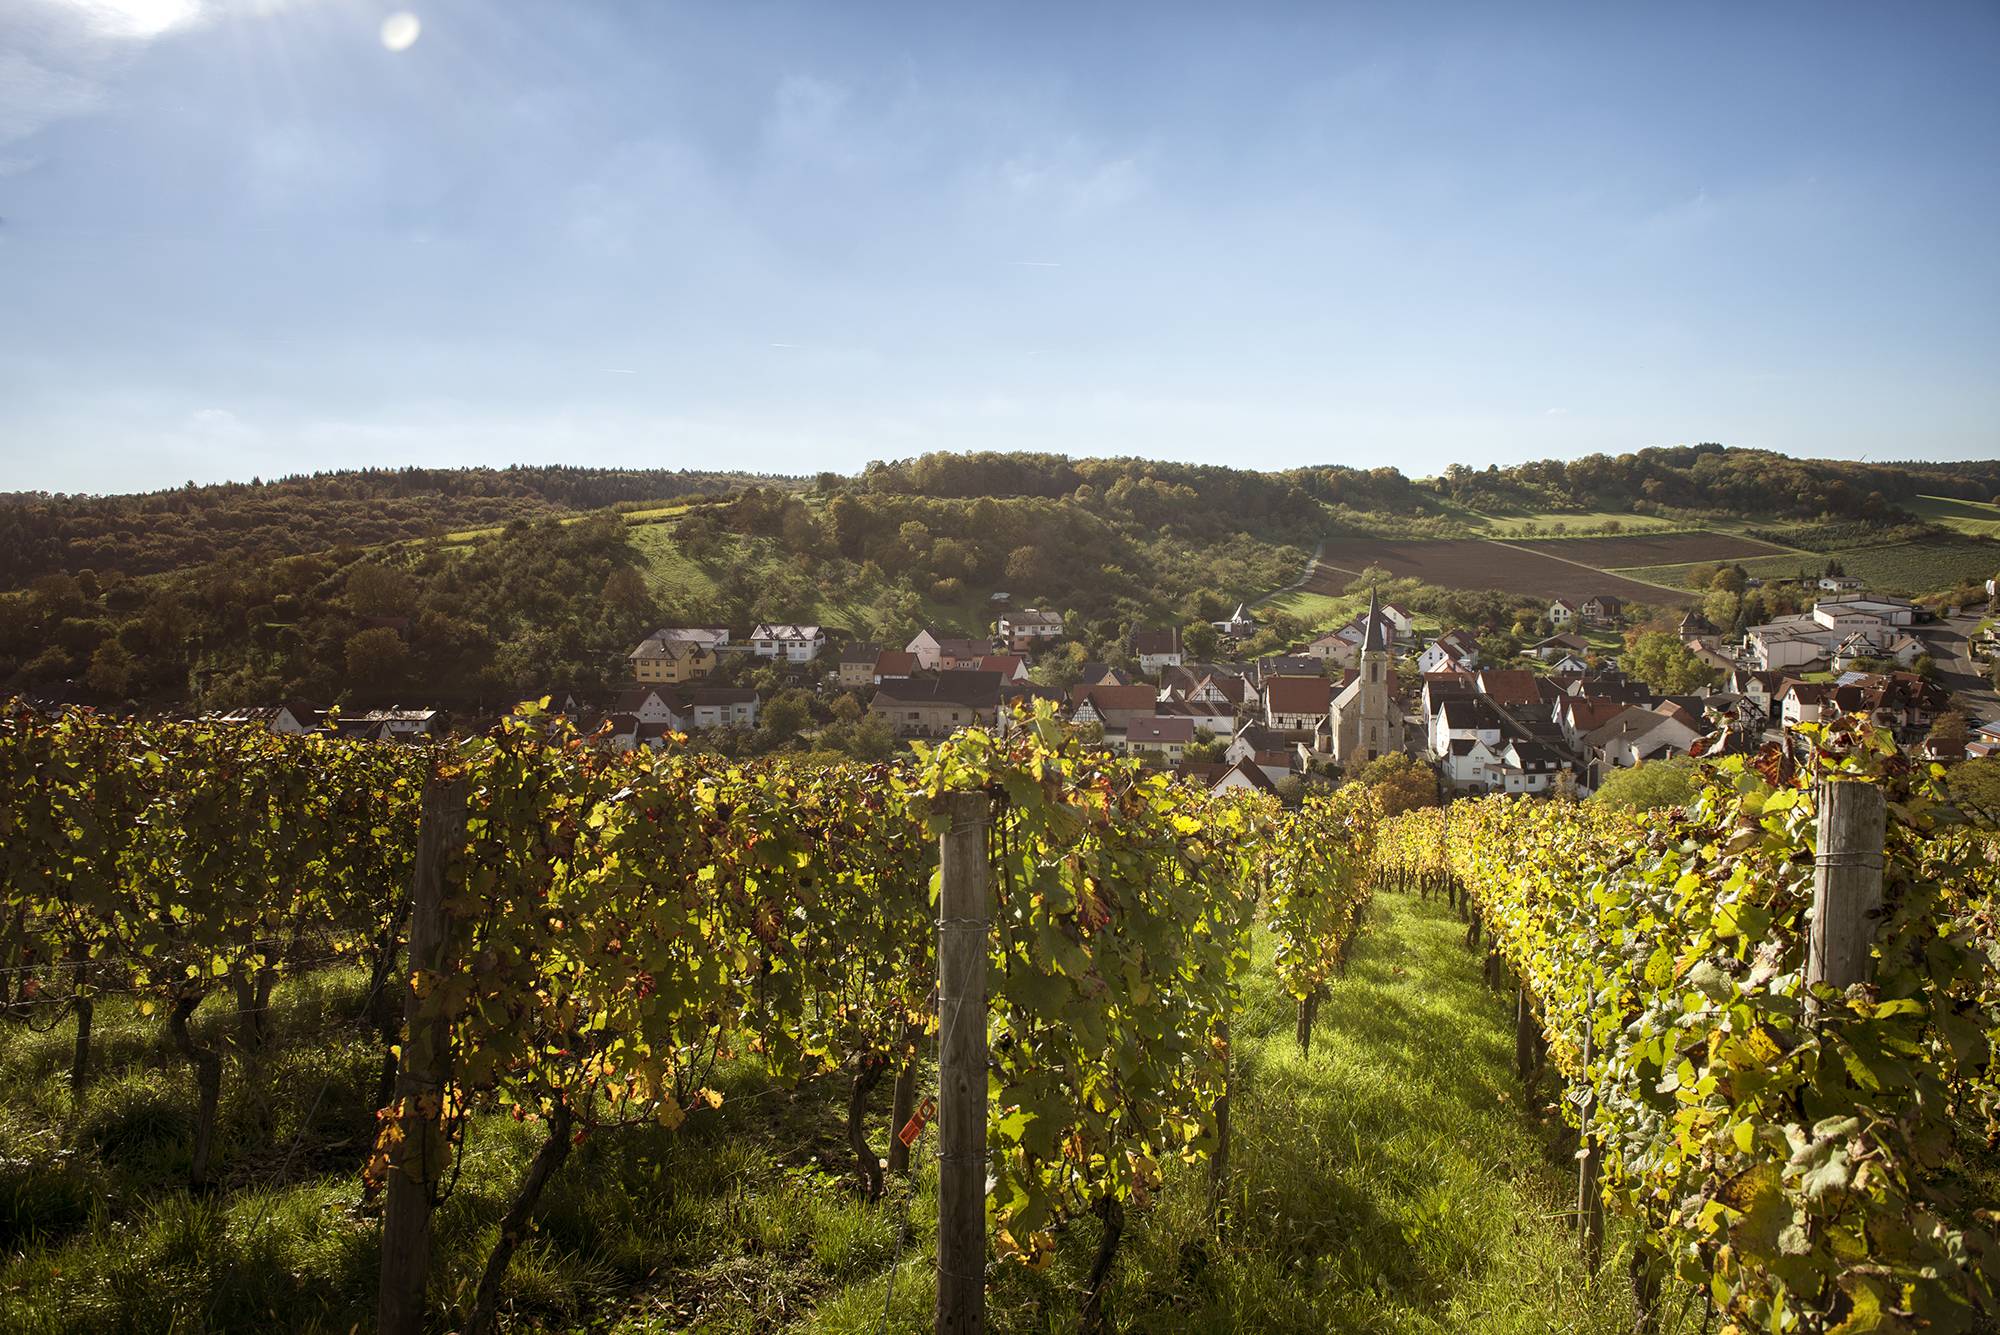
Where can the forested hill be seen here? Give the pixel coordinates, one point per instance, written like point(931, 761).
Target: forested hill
point(188, 526)
point(473, 588)
point(259, 521)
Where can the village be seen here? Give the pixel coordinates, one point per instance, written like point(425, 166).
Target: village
point(1561, 715)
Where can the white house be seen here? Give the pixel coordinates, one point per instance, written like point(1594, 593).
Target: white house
point(1297, 704)
point(1525, 767)
point(1637, 733)
point(794, 644)
point(1838, 583)
point(1562, 612)
point(1453, 651)
point(1156, 649)
point(1801, 701)
point(646, 704)
point(1468, 762)
point(1464, 718)
point(285, 720)
point(1031, 626)
point(701, 707)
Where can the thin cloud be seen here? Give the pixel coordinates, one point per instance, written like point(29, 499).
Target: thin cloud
point(72, 51)
point(618, 370)
point(1038, 264)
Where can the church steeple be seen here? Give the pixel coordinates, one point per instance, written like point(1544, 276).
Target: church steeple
point(1372, 640)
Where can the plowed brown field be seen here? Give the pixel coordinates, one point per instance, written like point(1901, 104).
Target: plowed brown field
point(1653, 549)
point(1473, 563)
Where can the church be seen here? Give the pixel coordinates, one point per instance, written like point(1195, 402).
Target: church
point(1367, 721)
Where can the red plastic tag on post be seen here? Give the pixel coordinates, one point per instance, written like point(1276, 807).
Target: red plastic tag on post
point(915, 1126)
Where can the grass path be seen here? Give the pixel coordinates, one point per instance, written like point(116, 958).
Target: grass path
point(1387, 1181)
point(1391, 1180)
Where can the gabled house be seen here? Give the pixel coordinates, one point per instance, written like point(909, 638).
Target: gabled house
point(1510, 688)
point(1580, 715)
point(677, 653)
point(1012, 668)
point(286, 720)
point(856, 666)
point(1637, 734)
point(1525, 767)
point(1465, 718)
point(698, 707)
point(1558, 647)
point(1029, 628)
point(938, 706)
point(793, 643)
point(1467, 762)
point(925, 644)
point(1601, 608)
point(1240, 776)
point(391, 725)
point(1563, 612)
point(1156, 649)
point(1453, 650)
point(895, 665)
point(1165, 740)
point(646, 704)
point(1297, 704)
point(958, 655)
point(1112, 707)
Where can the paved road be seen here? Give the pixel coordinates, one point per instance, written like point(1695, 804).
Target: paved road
point(1950, 641)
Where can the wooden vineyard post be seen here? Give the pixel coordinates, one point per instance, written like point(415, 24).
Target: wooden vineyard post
point(416, 1160)
point(1847, 883)
point(1589, 1196)
point(963, 896)
point(1524, 1033)
point(1218, 1164)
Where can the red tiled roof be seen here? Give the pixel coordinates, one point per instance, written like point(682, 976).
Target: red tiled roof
point(1298, 695)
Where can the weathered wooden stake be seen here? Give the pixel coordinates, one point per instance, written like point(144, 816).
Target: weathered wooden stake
point(1847, 883)
point(962, 930)
point(1524, 1033)
point(416, 1162)
point(1589, 1197)
point(1218, 1163)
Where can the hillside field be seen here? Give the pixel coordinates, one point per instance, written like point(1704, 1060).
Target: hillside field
point(1975, 517)
point(1474, 563)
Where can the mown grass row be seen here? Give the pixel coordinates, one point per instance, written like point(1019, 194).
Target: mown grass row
point(1390, 1180)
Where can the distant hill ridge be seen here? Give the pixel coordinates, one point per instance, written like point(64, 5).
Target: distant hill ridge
point(42, 533)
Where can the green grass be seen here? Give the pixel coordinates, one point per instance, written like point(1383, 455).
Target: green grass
point(1896, 567)
point(1394, 1179)
point(1544, 523)
point(1762, 567)
point(1922, 567)
point(670, 572)
point(1974, 517)
point(1316, 611)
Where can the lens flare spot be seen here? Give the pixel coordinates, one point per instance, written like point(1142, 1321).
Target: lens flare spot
point(401, 30)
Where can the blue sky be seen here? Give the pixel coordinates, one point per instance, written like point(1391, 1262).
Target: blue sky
point(248, 237)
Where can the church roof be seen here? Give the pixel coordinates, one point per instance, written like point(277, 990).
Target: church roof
point(1375, 633)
